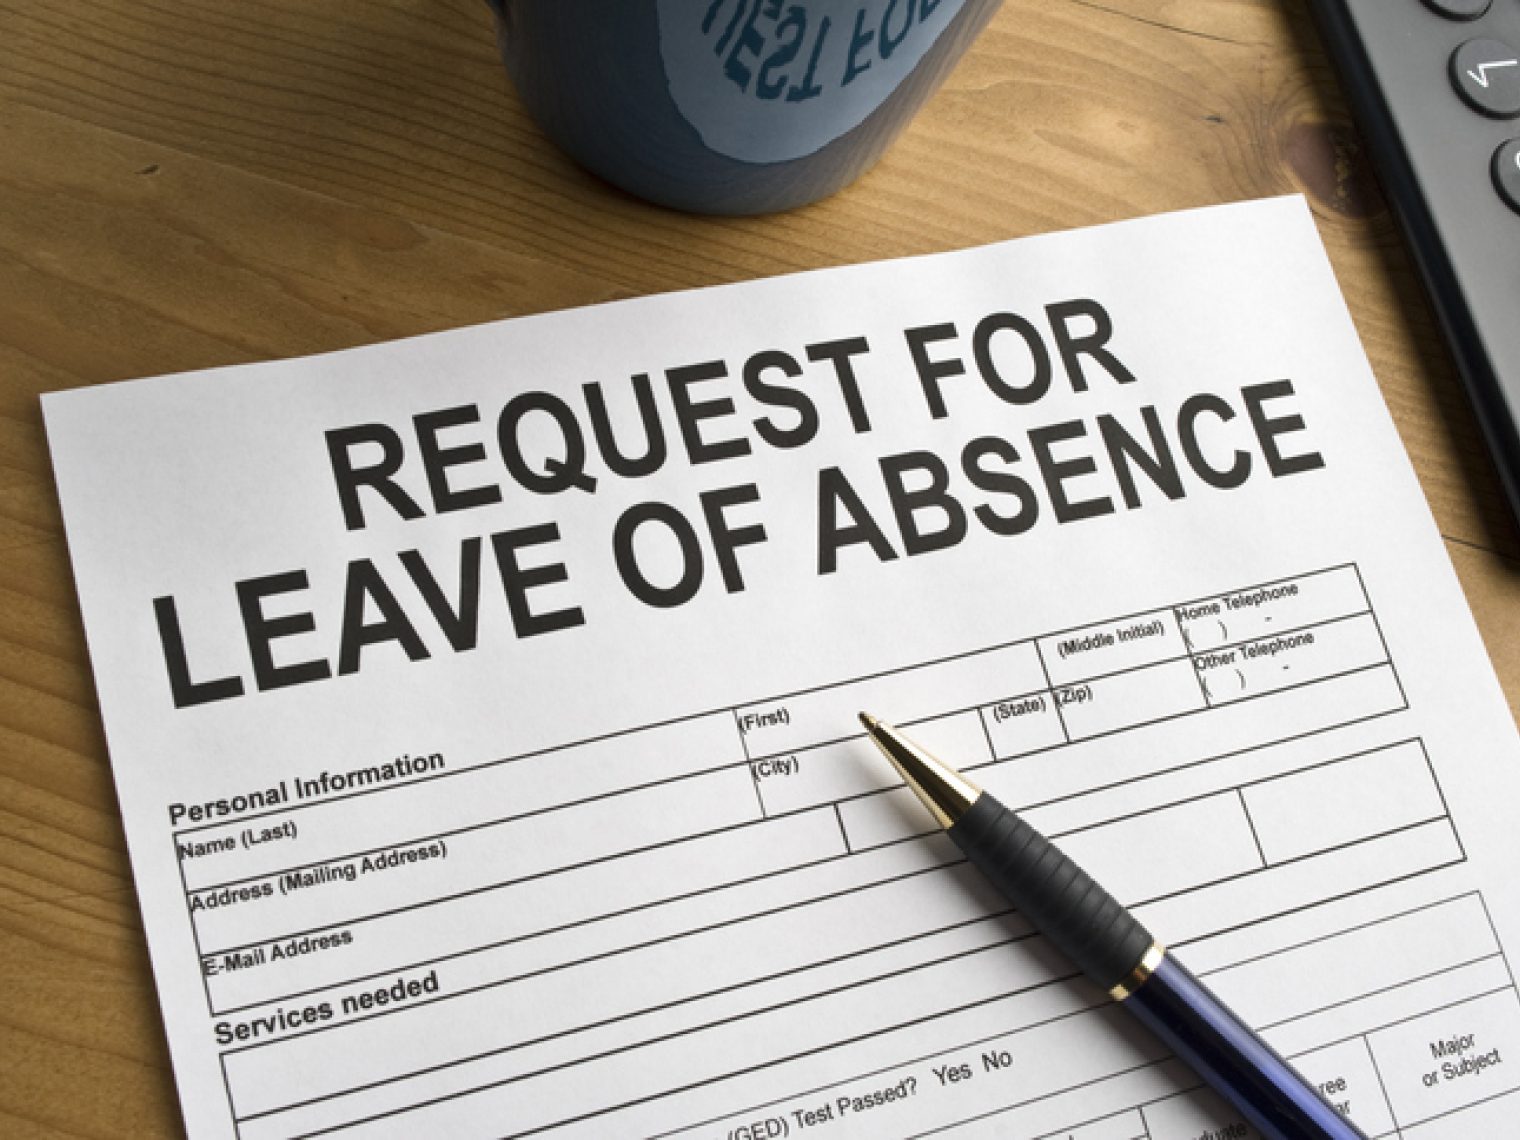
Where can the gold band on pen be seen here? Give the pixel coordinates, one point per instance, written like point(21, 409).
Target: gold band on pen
point(1142, 971)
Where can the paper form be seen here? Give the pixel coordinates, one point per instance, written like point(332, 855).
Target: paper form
point(483, 705)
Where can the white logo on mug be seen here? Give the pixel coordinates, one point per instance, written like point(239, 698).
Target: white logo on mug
point(773, 80)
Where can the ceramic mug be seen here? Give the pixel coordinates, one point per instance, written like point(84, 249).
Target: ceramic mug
point(730, 106)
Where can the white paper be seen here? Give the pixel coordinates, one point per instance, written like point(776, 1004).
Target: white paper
point(621, 862)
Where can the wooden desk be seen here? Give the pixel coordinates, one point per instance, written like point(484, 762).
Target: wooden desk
point(193, 184)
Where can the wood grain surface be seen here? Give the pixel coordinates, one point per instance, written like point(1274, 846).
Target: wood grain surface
point(188, 183)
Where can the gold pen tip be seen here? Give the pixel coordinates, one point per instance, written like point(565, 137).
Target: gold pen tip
point(945, 792)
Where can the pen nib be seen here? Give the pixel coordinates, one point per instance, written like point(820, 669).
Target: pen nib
point(944, 791)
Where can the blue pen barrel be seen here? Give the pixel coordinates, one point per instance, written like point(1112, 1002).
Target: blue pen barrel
point(1202, 1031)
point(1115, 951)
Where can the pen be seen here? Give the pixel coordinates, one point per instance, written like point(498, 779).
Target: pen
point(1113, 949)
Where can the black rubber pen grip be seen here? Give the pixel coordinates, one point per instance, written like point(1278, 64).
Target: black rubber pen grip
point(1057, 897)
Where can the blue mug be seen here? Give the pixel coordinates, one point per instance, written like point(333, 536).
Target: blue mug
point(730, 106)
